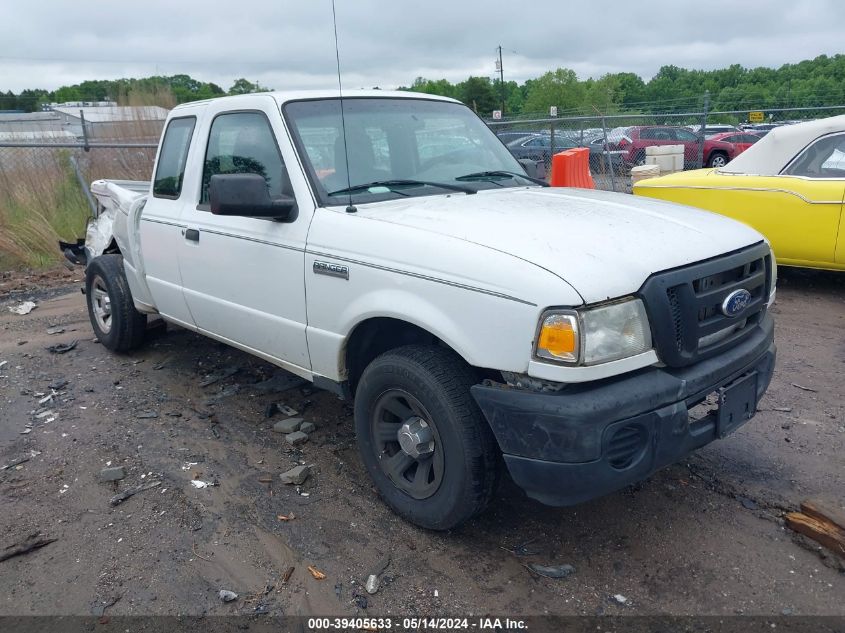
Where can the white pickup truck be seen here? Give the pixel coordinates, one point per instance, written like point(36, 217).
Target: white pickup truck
point(387, 247)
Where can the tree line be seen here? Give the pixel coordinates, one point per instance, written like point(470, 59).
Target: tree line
point(163, 91)
point(815, 82)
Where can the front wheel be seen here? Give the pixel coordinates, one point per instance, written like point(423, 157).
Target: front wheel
point(116, 322)
point(422, 437)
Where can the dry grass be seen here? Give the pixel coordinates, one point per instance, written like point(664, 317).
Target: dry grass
point(41, 200)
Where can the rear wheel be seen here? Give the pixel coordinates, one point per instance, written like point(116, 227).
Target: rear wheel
point(717, 159)
point(422, 437)
point(116, 322)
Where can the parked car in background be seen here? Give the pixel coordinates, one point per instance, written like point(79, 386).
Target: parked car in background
point(713, 129)
point(506, 136)
point(633, 141)
point(789, 186)
point(720, 149)
point(601, 153)
point(539, 146)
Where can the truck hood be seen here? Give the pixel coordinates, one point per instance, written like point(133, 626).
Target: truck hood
point(603, 244)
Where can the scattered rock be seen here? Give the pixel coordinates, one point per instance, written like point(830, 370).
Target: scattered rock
point(23, 308)
point(286, 410)
point(296, 476)
point(146, 415)
point(748, 504)
point(296, 438)
point(372, 584)
point(61, 383)
point(197, 483)
point(57, 329)
point(556, 571)
point(620, 598)
point(115, 473)
point(308, 427)
point(227, 596)
point(210, 380)
point(123, 496)
point(361, 602)
point(287, 426)
point(62, 348)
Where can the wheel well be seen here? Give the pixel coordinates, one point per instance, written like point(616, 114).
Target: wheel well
point(374, 337)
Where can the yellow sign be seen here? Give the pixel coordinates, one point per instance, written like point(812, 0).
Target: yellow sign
point(755, 117)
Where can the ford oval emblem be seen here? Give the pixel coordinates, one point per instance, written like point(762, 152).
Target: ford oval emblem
point(736, 302)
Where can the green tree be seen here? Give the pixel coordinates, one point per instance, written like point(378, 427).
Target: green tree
point(477, 93)
point(244, 86)
point(559, 88)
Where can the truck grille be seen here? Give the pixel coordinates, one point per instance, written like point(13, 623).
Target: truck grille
point(684, 305)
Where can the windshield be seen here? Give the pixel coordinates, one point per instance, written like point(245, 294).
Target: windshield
point(403, 147)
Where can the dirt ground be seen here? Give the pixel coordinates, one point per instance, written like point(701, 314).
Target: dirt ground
point(705, 536)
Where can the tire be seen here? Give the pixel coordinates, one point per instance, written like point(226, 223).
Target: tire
point(116, 322)
point(717, 159)
point(429, 389)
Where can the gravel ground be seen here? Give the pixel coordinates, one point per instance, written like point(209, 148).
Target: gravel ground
point(705, 536)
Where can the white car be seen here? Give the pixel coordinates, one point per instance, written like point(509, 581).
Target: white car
point(387, 247)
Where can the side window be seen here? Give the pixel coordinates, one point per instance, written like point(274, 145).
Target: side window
point(647, 134)
point(170, 170)
point(243, 143)
point(825, 158)
point(685, 135)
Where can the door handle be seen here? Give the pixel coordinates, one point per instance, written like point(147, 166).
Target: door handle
point(192, 234)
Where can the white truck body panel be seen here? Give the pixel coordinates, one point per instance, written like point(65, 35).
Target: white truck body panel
point(476, 271)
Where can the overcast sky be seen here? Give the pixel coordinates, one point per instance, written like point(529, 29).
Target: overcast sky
point(289, 43)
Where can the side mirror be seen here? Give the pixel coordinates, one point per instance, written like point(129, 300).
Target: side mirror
point(534, 168)
point(246, 195)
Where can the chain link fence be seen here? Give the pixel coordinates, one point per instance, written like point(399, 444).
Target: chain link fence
point(44, 193)
point(618, 142)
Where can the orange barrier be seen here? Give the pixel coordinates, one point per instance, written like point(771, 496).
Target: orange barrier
point(571, 168)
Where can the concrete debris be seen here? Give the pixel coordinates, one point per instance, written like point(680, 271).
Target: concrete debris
point(287, 426)
point(308, 427)
point(296, 438)
point(296, 476)
point(61, 383)
point(197, 483)
point(227, 596)
point(115, 473)
point(372, 584)
point(620, 598)
point(286, 410)
point(23, 308)
point(57, 329)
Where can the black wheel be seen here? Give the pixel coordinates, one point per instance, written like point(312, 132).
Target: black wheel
point(423, 439)
point(717, 159)
point(116, 322)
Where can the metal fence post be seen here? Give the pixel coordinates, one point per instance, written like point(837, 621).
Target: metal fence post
point(551, 147)
point(703, 129)
point(84, 131)
point(606, 153)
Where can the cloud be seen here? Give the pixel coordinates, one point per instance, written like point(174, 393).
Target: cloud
point(290, 44)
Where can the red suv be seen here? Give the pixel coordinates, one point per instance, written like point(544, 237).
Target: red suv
point(633, 141)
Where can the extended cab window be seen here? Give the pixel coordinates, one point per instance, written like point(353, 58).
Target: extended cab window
point(243, 143)
point(170, 170)
point(825, 158)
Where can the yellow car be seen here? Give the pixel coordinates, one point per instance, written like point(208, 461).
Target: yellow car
point(789, 186)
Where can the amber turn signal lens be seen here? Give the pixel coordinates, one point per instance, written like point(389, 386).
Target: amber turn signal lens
point(558, 338)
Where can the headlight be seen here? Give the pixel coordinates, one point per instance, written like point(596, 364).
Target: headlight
point(594, 335)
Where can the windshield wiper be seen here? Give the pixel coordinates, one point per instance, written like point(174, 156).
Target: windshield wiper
point(501, 174)
point(391, 184)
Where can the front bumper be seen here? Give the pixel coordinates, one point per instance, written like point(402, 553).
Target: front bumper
point(590, 439)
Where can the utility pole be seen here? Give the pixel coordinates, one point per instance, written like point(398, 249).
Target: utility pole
point(501, 78)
